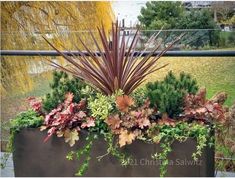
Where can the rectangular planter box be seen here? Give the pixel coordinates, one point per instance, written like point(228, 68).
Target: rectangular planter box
point(32, 157)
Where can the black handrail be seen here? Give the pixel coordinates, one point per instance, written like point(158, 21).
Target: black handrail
point(203, 53)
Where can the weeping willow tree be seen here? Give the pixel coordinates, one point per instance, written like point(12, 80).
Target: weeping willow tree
point(24, 23)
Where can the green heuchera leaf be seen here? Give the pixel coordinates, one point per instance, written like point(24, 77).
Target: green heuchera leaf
point(27, 119)
point(168, 95)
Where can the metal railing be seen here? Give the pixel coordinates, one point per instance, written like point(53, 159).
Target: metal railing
point(201, 53)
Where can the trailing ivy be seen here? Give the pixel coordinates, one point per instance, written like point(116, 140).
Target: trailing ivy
point(181, 131)
point(27, 119)
point(100, 127)
point(166, 149)
point(86, 151)
point(83, 152)
point(114, 151)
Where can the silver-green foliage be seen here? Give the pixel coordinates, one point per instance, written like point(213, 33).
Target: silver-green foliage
point(101, 106)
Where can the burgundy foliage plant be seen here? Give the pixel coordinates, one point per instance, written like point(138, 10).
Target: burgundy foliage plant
point(67, 120)
point(117, 66)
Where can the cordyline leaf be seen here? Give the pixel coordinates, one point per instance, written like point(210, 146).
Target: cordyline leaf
point(124, 102)
point(117, 66)
point(125, 137)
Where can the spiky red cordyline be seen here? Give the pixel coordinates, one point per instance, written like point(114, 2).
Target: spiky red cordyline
point(116, 67)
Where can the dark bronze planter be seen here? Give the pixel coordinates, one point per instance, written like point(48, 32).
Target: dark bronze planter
point(32, 157)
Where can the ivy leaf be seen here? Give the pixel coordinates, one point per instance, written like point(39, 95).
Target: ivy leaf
point(71, 136)
point(125, 137)
point(157, 139)
point(113, 121)
point(124, 102)
point(70, 155)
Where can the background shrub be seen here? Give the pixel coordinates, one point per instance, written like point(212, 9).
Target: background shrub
point(61, 85)
point(168, 95)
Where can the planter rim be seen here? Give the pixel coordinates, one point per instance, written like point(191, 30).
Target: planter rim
point(86, 131)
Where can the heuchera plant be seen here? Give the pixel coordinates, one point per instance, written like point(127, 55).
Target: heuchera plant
point(67, 120)
point(35, 104)
point(130, 122)
point(197, 107)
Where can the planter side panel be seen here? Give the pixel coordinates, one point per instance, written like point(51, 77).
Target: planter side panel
point(182, 164)
point(32, 157)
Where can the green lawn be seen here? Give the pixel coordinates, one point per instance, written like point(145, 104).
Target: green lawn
point(214, 73)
